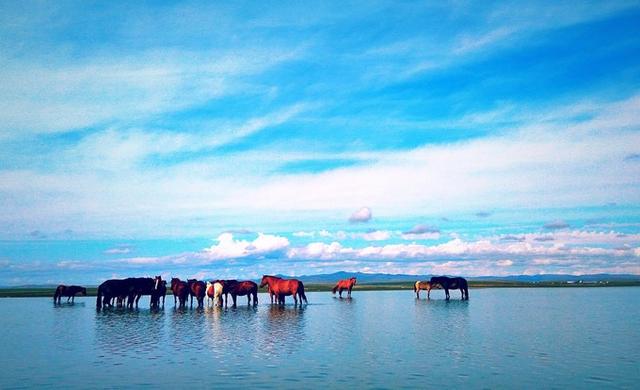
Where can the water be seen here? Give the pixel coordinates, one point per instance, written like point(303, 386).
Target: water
point(525, 338)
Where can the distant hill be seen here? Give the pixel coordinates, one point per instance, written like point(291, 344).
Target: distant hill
point(392, 278)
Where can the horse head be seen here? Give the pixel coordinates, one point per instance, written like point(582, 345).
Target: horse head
point(353, 280)
point(264, 281)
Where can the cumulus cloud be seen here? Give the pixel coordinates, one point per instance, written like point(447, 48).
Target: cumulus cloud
point(504, 263)
point(265, 245)
point(361, 215)
point(556, 224)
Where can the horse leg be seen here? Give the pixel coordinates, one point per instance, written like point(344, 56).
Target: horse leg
point(446, 293)
point(340, 292)
point(428, 293)
point(418, 293)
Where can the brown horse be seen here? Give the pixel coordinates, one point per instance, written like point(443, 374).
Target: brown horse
point(69, 292)
point(197, 289)
point(180, 291)
point(242, 288)
point(283, 287)
point(420, 285)
point(345, 284)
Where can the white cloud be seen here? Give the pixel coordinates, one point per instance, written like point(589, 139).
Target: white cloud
point(264, 245)
point(361, 215)
point(376, 235)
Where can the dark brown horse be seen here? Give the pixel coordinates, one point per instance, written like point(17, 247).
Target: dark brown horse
point(197, 289)
point(69, 292)
point(428, 286)
point(283, 287)
point(180, 291)
point(345, 284)
point(236, 288)
point(160, 291)
point(453, 284)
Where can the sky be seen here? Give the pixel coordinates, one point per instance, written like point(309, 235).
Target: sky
point(239, 139)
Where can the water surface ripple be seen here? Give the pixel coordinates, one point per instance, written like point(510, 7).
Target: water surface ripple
point(526, 338)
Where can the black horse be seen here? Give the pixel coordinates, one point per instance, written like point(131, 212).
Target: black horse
point(453, 284)
point(68, 291)
point(131, 288)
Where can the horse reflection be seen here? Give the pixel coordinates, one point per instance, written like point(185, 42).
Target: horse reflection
point(284, 330)
point(129, 333)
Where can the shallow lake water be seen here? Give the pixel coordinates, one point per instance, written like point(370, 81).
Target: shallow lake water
point(500, 338)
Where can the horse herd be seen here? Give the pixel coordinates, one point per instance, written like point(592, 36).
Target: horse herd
point(127, 292)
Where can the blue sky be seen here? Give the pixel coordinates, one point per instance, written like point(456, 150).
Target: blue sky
point(232, 140)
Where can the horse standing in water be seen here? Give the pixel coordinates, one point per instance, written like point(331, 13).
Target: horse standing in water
point(452, 283)
point(246, 287)
point(180, 291)
point(214, 293)
point(283, 287)
point(69, 292)
point(197, 289)
point(345, 284)
point(419, 285)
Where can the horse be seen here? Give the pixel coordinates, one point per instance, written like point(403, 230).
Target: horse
point(197, 289)
point(452, 283)
point(180, 291)
point(283, 287)
point(420, 285)
point(235, 288)
point(159, 290)
point(214, 292)
point(112, 288)
point(69, 292)
point(145, 286)
point(345, 284)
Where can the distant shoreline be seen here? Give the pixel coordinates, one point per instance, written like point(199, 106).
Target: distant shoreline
point(25, 292)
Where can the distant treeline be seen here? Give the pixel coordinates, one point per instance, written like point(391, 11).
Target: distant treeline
point(315, 287)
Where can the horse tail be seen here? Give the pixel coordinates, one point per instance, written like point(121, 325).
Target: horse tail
point(301, 293)
point(99, 298)
point(56, 294)
point(335, 289)
point(415, 286)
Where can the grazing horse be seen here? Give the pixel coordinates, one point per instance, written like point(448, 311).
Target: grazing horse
point(452, 283)
point(235, 288)
point(345, 284)
point(420, 285)
point(197, 289)
point(283, 287)
point(69, 292)
point(180, 291)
